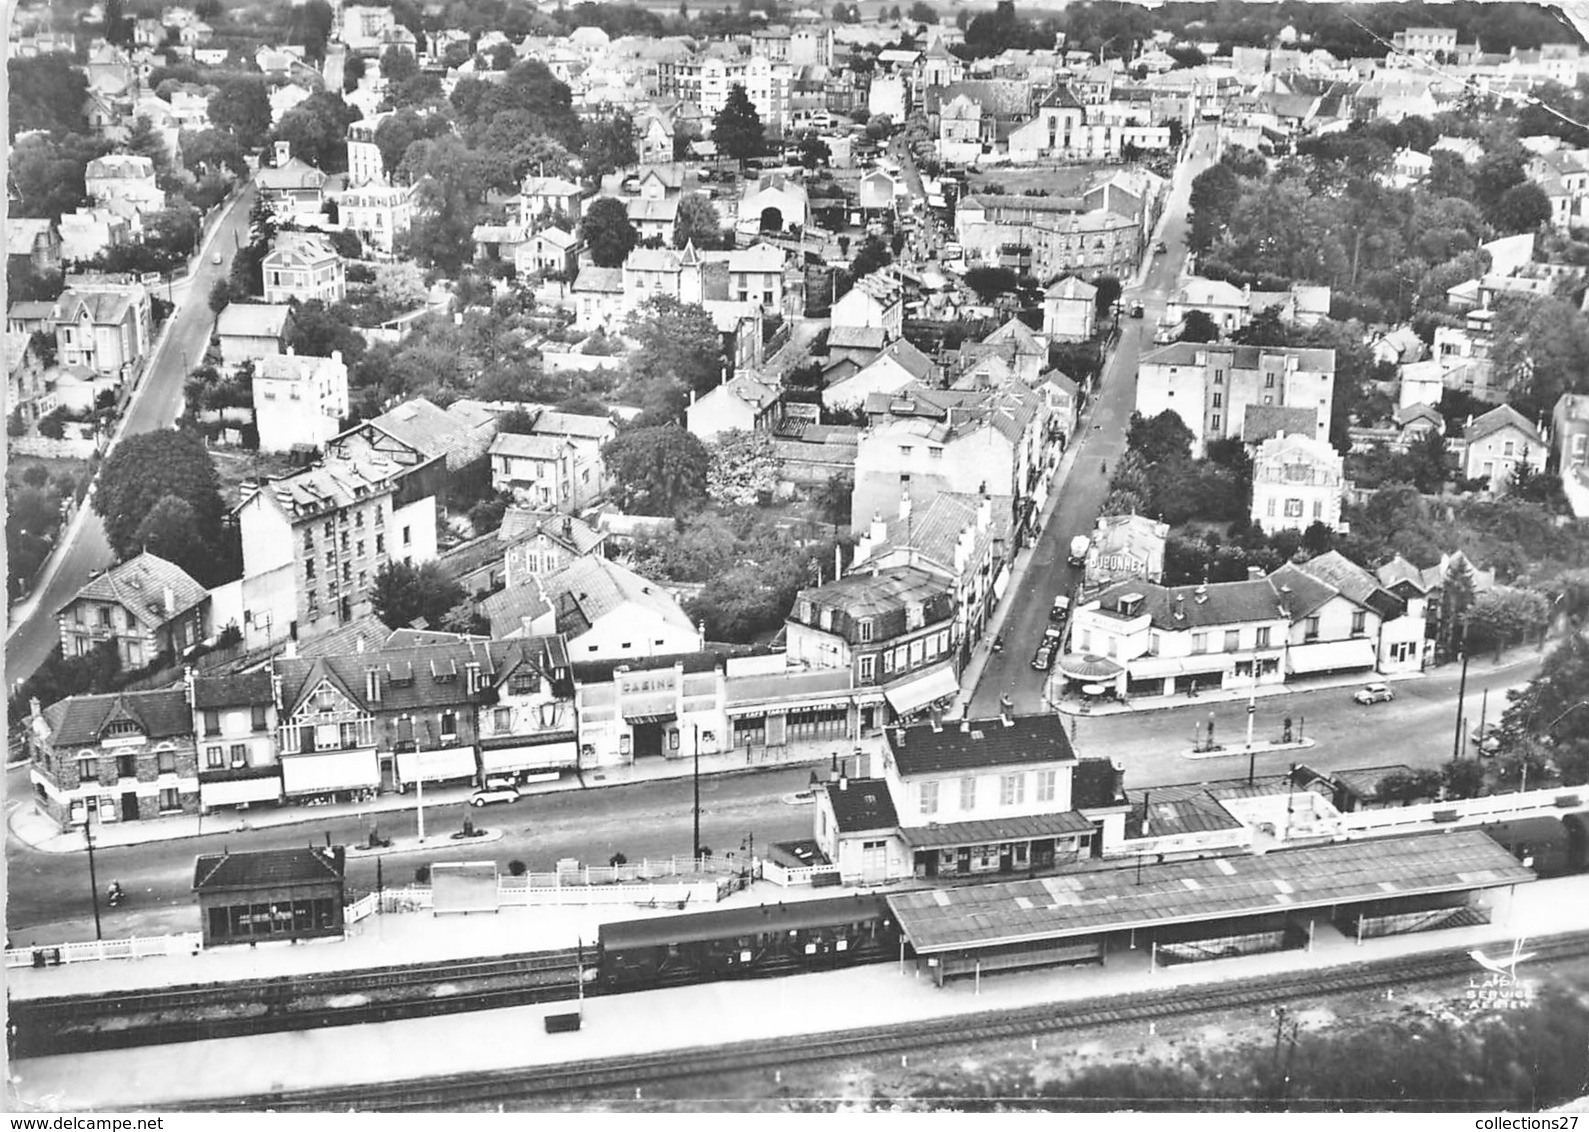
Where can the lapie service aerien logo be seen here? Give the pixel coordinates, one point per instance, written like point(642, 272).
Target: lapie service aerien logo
point(1500, 989)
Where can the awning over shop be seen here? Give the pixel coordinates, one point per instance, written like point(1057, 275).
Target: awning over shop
point(438, 765)
point(541, 756)
point(1001, 582)
point(650, 709)
point(951, 834)
point(1328, 656)
point(240, 790)
point(922, 688)
point(333, 770)
point(1085, 666)
point(1152, 667)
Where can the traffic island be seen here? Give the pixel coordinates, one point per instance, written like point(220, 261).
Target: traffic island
point(1245, 750)
point(380, 848)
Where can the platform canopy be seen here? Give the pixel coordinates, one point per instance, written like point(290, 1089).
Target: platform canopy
point(1085, 903)
point(1088, 668)
point(953, 834)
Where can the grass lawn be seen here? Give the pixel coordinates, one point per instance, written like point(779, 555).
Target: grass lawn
point(55, 468)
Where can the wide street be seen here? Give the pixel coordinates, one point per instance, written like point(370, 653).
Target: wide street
point(1100, 441)
point(32, 632)
point(48, 893)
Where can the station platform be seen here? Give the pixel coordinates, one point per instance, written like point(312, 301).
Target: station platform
point(712, 1014)
point(388, 940)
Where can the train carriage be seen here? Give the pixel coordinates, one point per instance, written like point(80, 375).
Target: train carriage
point(768, 939)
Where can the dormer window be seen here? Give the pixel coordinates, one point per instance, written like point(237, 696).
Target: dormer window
point(865, 629)
point(122, 728)
point(915, 615)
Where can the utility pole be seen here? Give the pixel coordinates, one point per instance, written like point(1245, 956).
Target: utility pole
point(1462, 691)
point(93, 878)
point(419, 803)
point(697, 791)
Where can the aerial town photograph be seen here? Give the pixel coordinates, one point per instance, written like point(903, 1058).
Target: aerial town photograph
point(673, 556)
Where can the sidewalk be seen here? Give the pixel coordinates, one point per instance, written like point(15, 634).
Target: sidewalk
point(1513, 658)
point(37, 831)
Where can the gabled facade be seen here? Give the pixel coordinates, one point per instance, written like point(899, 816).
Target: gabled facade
point(1498, 443)
point(1296, 481)
point(300, 401)
point(234, 727)
point(878, 626)
point(148, 606)
point(304, 266)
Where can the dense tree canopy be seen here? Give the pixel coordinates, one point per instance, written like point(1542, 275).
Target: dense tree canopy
point(404, 594)
point(607, 232)
point(47, 92)
point(242, 108)
point(317, 130)
point(659, 470)
point(146, 468)
point(737, 129)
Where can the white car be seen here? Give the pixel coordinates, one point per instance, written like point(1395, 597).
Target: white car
point(492, 795)
point(1374, 694)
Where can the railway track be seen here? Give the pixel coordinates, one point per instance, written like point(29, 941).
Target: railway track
point(77, 1024)
point(494, 1087)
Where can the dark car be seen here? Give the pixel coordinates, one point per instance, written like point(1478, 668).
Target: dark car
point(1136, 310)
point(1160, 248)
point(1043, 659)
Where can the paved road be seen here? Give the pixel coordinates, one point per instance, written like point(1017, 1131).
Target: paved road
point(154, 406)
point(48, 893)
point(1083, 491)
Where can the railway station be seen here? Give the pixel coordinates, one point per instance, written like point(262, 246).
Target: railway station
point(1188, 911)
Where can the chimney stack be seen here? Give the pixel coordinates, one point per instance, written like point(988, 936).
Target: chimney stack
point(904, 504)
point(190, 679)
point(372, 684)
point(171, 601)
point(984, 513)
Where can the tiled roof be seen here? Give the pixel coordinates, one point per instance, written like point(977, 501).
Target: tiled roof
point(333, 484)
point(528, 447)
point(1198, 607)
point(508, 610)
point(590, 588)
point(1356, 583)
point(253, 320)
point(856, 337)
point(80, 720)
point(1239, 357)
point(246, 688)
point(585, 426)
point(522, 522)
point(934, 530)
point(644, 208)
point(266, 868)
point(866, 594)
point(910, 359)
point(307, 249)
point(296, 174)
point(1498, 418)
point(1261, 422)
point(421, 676)
point(979, 743)
point(1299, 592)
point(432, 431)
point(605, 280)
point(139, 585)
point(864, 804)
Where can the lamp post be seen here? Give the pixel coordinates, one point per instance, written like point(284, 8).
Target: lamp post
point(697, 791)
point(93, 877)
point(1462, 689)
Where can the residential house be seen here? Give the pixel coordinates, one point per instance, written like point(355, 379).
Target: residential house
point(147, 606)
point(530, 733)
point(433, 447)
point(898, 366)
point(558, 465)
point(304, 266)
point(540, 543)
point(875, 301)
point(1049, 236)
point(1569, 421)
point(1229, 307)
point(605, 610)
point(1070, 310)
point(1210, 386)
point(1125, 548)
point(746, 402)
point(362, 27)
point(1497, 444)
point(90, 232)
point(300, 401)
point(1062, 397)
point(234, 729)
point(654, 219)
point(127, 756)
point(28, 393)
point(598, 296)
point(38, 240)
point(551, 251)
point(1296, 481)
point(291, 186)
point(891, 627)
point(1394, 623)
point(251, 331)
point(126, 180)
point(365, 164)
point(546, 200)
point(98, 322)
point(378, 213)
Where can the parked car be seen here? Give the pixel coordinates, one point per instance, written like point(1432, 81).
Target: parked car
point(1078, 550)
point(1374, 694)
point(216, 259)
point(1060, 610)
point(492, 795)
point(1043, 658)
point(1136, 310)
point(1160, 248)
point(1487, 738)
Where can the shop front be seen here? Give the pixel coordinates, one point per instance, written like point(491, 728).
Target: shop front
point(332, 775)
point(1006, 845)
point(241, 788)
point(919, 691)
point(440, 764)
point(521, 759)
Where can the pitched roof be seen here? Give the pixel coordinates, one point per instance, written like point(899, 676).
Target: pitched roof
point(81, 720)
point(295, 174)
point(856, 337)
point(867, 594)
point(528, 447)
point(520, 522)
point(910, 359)
point(607, 280)
point(979, 743)
point(590, 588)
point(1239, 357)
point(510, 610)
point(863, 804)
point(245, 688)
point(1498, 418)
point(139, 585)
point(253, 320)
point(334, 483)
point(432, 431)
point(1261, 422)
point(1356, 583)
point(266, 868)
point(1197, 607)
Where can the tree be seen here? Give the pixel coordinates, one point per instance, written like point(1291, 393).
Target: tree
point(814, 152)
point(316, 129)
point(143, 470)
point(989, 282)
point(242, 108)
point(1540, 344)
point(398, 65)
point(47, 92)
point(171, 530)
point(1108, 288)
point(659, 470)
point(737, 128)
point(743, 469)
point(1501, 617)
point(47, 175)
point(872, 256)
point(317, 331)
point(923, 13)
point(1199, 326)
point(1522, 208)
point(609, 145)
point(210, 151)
point(404, 594)
point(675, 340)
point(608, 233)
point(401, 129)
point(697, 222)
point(1161, 439)
point(835, 498)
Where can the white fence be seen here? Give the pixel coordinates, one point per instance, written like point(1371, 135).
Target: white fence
point(360, 908)
point(1469, 811)
point(803, 874)
point(520, 892)
point(146, 947)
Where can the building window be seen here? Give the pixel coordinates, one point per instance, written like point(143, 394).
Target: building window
point(239, 754)
point(1311, 629)
point(1263, 637)
point(166, 762)
point(257, 717)
point(865, 629)
point(1219, 377)
point(1318, 509)
point(212, 723)
point(1293, 508)
point(1219, 400)
point(88, 769)
point(868, 667)
point(1232, 640)
point(1199, 642)
point(214, 758)
point(1268, 381)
point(501, 719)
point(380, 544)
point(1045, 785)
point(1013, 789)
point(170, 801)
point(968, 793)
point(408, 536)
point(929, 797)
point(1359, 623)
point(1216, 422)
point(449, 725)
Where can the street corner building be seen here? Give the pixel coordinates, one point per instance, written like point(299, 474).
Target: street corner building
point(270, 895)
